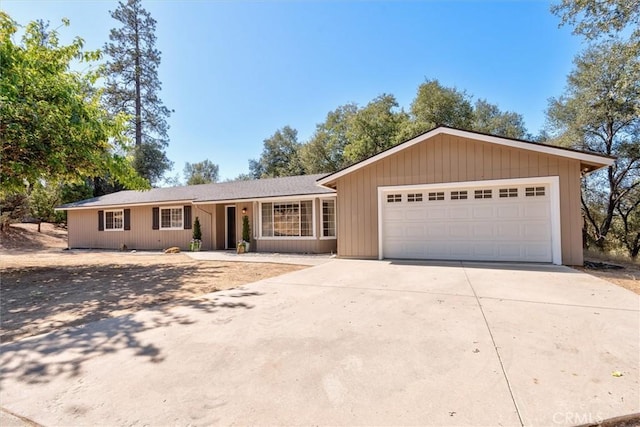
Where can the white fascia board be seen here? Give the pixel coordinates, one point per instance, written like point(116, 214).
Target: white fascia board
point(530, 146)
point(267, 199)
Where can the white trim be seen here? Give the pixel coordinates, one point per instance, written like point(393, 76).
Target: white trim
point(226, 224)
point(267, 199)
point(596, 160)
point(104, 218)
point(123, 205)
point(160, 209)
point(554, 194)
point(335, 218)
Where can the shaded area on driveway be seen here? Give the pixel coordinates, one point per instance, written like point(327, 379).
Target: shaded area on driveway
point(62, 354)
point(39, 299)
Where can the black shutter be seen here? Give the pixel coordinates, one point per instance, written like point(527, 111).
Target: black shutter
point(187, 218)
point(156, 219)
point(100, 220)
point(127, 219)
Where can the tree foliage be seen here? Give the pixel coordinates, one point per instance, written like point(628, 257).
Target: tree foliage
point(204, 172)
point(599, 112)
point(596, 18)
point(439, 105)
point(488, 118)
point(280, 156)
point(132, 87)
point(53, 125)
point(324, 152)
point(374, 128)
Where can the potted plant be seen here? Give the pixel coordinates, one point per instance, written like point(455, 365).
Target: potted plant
point(241, 247)
point(246, 232)
point(196, 241)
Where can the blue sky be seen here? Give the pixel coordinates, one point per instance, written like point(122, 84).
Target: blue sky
point(236, 71)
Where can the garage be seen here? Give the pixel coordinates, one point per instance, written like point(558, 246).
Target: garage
point(453, 194)
point(503, 220)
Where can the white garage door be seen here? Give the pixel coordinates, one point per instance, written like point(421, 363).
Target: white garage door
point(486, 223)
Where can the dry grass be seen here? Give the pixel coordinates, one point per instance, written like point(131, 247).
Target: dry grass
point(627, 277)
point(45, 288)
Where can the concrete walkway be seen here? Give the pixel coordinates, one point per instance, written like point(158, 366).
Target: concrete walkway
point(276, 258)
point(348, 343)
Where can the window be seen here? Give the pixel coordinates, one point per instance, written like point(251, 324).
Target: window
point(288, 219)
point(170, 218)
point(508, 192)
point(394, 198)
point(328, 218)
point(459, 195)
point(482, 194)
point(436, 195)
point(415, 197)
point(114, 220)
point(534, 191)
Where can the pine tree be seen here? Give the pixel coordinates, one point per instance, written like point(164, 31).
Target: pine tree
point(132, 87)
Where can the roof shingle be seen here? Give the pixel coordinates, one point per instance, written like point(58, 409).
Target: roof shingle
point(225, 191)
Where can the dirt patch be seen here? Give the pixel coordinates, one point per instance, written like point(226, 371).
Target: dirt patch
point(622, 273)
point(45, 288)
point(24, 238)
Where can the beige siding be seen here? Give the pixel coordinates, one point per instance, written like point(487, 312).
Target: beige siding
point(83, 231)
point(314, 246)
point(447, 158)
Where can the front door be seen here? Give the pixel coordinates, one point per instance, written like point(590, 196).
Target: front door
point(231, 227)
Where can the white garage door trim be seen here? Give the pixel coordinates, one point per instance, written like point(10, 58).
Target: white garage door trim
point(554, 189)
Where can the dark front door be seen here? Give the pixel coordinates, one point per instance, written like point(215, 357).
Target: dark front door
point(231, 227)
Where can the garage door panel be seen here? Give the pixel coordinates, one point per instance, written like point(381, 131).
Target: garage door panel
point(483, 231)
point(460, 213)
point(413, 214)
point(394, 230)
point(538, 210)
point(460, 230)
point(437, 212)
point(483, 212)
point(415, 232)
point(509, 211)
point(437, 230)
point(394, 214)
point(538, 231)
point(495, 228)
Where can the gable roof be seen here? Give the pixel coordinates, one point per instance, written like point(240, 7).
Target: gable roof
point(303, 185)
point(590, 161)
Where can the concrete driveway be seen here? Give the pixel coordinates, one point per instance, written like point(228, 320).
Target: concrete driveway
point(348, 343)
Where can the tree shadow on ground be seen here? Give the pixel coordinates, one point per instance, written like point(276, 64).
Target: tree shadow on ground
point(41, 359)
point(38, 300)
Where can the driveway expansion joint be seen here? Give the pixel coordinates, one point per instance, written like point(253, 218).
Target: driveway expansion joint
point(495, 346)
point(562, 304)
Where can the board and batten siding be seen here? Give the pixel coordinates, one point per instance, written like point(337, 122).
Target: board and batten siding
point(84, 233)
point(447, 158)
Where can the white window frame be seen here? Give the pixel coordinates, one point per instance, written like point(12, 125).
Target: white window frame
point(335, 218)
point(114, 211)
point(164, 208)
point(290, 200)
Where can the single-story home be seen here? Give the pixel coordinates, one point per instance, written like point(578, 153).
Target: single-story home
point(448, 194)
